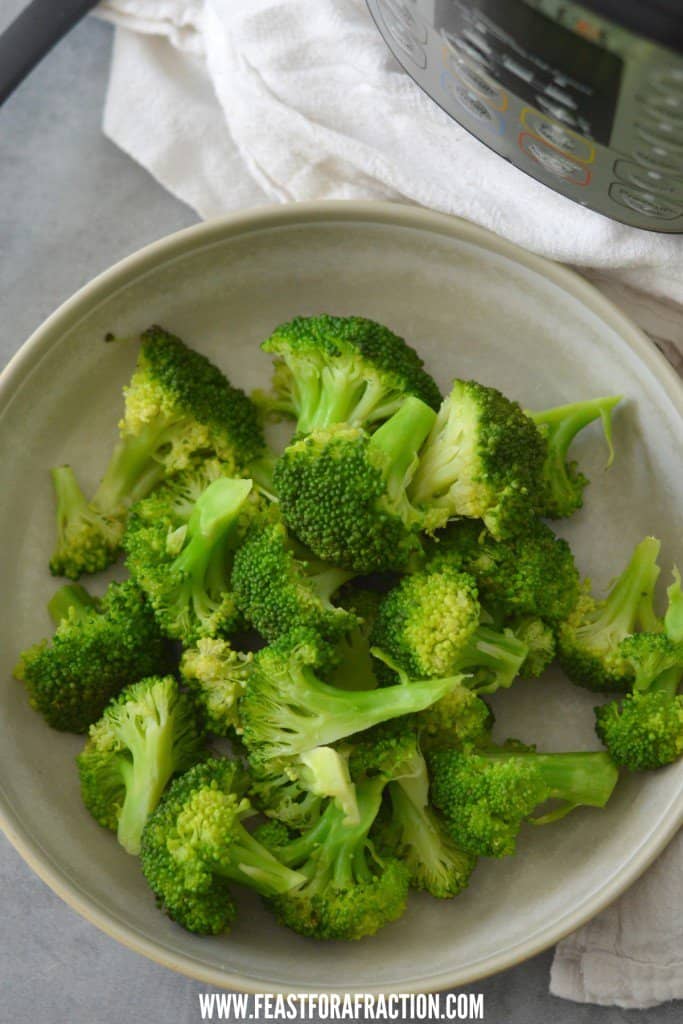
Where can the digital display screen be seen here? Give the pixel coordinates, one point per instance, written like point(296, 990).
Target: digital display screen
point(571, 79)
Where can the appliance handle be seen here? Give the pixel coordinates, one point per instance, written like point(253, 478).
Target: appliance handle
point(32, 34)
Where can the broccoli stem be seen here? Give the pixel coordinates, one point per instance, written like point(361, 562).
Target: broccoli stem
point(400, 439)
point(71, 601)
point(630, 601)
point(668, 682)
point(146, 775)
point(133, 470)
point(208, 530)
point(248, 862)
point(501, 653)
point(563, 423)
point(328, 581)
point(579, 779)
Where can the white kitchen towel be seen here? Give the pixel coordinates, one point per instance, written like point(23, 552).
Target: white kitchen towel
point(231, 103)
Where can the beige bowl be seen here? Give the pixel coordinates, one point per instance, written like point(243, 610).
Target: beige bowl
point(474, 306)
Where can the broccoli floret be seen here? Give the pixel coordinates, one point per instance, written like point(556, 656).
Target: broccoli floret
point(296, 790)
point(216, 675)
point(415, 834)
point(180, 544)
point(178, 405)
point(429, 626)
point(486, 796)
point(343, 492)
point(539, 638)
point(349, 890)
point(645, 731)
point(87, 540)
point(352, 665)
point(195, 844)
point(288, 710)
point(146, 735)
point(97, 649)
point(349, 370)
point(460, 719)
point(533, 574)
point(563, 483)
point(482, 460)
point(279, 587)
point(588, 641)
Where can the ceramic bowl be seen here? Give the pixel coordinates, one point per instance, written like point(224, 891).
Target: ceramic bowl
point(473, 305)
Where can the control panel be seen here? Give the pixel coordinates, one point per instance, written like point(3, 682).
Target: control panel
point(580, 104)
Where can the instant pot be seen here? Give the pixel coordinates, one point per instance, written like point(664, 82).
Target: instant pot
point(587, 99)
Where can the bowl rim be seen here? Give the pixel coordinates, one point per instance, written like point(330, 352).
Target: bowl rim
point(268, 217)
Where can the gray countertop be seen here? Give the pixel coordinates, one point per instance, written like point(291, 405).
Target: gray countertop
point(70, 205)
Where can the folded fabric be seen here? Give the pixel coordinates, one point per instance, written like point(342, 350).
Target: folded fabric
point(232, 103)
point(228, 101)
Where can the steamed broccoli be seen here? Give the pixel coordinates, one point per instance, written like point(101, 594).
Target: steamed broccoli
point(288, 710)
point(486, 796)
point(331, 370)
point(539, 639)
point(180, 544)
point(216, 675)
point(178, 405)
point(563, 483)
point(99, 647)
point(532, 574)
point(460, 719)
point(279, 587)
point(195, 844)
point(430, 625)
point(415, 833)
point(350, 891)
point(352, 664)
point(482, 460)
point(645, 731)
point(588, 641)
point(295, 790)
point(343, 492)
point(146, 735)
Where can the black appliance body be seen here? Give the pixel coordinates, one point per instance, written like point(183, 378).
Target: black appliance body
point(587, 99)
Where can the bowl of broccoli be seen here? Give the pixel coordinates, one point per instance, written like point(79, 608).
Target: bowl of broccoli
point(344, 649)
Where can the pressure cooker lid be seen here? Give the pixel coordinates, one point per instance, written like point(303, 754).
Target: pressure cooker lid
point(661, 20)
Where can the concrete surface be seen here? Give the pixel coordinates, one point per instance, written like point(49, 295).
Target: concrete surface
point(70, 205)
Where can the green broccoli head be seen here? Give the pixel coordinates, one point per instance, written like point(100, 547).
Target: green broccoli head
point(147, 734)
point(180, 544)
point(426, 620)
point(540, 641)
point(590, 638)
point(178, 406)
point(194, 845)
point(428, 626)
point(279, 587)
point(563, 482)
point(460, 719)
point(644, 731)
point(482, 460)
point(331, 370)
point(349, 892)
point(531, 574)
point(485, 797)
point(97, 649)
point(287, 710)
point(343, 492)
point(217, 677)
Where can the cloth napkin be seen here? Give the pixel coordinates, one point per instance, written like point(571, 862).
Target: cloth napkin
point(232, 103)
